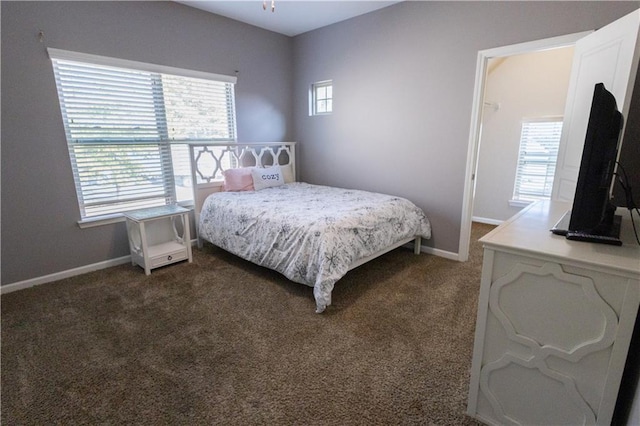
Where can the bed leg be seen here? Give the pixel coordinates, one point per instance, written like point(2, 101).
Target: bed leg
point(417, 243)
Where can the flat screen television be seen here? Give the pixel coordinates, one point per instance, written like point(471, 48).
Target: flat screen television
point(592, 214)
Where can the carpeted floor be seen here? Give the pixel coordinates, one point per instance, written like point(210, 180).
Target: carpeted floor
point(222, 341)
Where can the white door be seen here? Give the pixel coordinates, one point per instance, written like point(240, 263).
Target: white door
point(609, 55)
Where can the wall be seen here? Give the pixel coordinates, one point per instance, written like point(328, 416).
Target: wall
point(40, 234)
point(403, 88)
point(630, 152)
point(526, 86)
point(403, 79)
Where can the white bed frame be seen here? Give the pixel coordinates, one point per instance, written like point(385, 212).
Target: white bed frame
point(209, 160)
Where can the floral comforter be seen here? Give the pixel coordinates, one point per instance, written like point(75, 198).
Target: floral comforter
point(309, 233)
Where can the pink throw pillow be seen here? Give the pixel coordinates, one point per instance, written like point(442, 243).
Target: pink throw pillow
point(238, 179)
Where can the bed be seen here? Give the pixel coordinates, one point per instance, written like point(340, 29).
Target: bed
point(312, 234)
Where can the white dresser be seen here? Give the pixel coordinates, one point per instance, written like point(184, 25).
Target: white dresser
point(555, 319)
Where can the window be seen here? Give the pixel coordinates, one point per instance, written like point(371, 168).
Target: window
point(322, 98)
point(128, 125)
point(539, 141)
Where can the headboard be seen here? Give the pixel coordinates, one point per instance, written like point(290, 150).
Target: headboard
point(210, 159)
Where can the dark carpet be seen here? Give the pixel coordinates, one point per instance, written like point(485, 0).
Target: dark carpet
point(223, 341)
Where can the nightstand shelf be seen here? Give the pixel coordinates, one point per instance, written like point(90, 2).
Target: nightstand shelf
point(159, 236)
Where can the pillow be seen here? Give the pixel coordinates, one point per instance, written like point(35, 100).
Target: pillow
point(238, 179)
point(287, 173)
point(267, 177)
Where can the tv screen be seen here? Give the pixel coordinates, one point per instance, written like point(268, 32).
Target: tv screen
point(592, 212)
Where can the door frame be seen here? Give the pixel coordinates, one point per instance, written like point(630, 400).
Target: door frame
point(476, 120)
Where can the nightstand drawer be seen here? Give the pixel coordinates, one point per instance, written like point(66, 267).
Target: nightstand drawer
point(166, 253)
point(167, 258)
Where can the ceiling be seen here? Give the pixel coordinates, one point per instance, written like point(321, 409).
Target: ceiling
point(290, 17)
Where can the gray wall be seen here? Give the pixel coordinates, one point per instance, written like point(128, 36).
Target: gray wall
point(40, 234)
point(403, 88)
point(630, 152)
point(403, 79)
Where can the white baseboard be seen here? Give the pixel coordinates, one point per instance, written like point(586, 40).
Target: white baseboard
point(487, 220)
point(440, 253)
point(436, 252)
point(20, 285)
point(8, 288)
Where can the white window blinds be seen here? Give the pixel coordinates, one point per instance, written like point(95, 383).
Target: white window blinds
point(127, 127)
point(539, 141)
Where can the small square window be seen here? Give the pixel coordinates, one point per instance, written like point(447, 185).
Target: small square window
point(321, 98)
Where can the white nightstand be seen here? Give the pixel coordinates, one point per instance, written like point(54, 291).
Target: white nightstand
point(154, 237)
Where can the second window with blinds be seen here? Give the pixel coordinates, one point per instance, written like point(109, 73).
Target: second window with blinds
point(537, 156)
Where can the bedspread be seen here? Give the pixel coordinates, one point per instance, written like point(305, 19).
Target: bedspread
point(309, 233)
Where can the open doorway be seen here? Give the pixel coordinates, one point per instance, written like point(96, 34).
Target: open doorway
point(486, 58)
point(523, 104)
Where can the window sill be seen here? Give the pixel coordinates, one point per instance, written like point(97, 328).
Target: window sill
point(100, 220)
point(520, 203)
point(92, 222)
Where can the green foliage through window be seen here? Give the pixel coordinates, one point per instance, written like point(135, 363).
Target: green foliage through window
point(127, 131)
